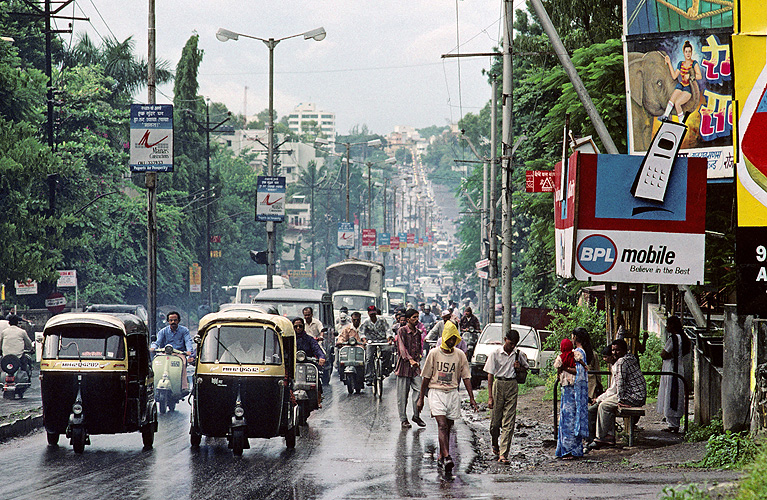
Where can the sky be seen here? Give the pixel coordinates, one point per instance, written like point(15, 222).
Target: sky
point(380, 64)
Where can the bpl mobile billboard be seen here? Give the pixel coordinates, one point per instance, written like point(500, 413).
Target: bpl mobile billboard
point(620, 237)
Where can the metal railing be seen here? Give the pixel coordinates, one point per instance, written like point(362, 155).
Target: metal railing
point(686, 396)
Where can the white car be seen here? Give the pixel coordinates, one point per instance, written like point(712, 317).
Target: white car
point(491, 339)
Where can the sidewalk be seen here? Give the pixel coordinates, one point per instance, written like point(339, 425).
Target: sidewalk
point(22, 416)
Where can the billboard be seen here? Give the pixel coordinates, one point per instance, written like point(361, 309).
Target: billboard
point(402, 240)
point(369, 240)
point(687, 73)
point(151, 138)
point(565, 198)
point(270, 198)
point(394, 242)
point(345, 235)
point(624, 238)
point(384, 242)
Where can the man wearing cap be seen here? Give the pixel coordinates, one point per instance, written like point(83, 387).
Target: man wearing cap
point(443, 371)
point(375, 329)
point(501, 368)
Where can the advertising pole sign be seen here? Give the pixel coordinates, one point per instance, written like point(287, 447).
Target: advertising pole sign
point(369, 240)
point(270, 198)
point(403, 240)
point(539, 181)
point(384, 242)
point(394, 242)
point(411, 240)
point(28, 287)
point(749, 45)
point(620, 237)
point(151, 138)
point(345, 235)
point(195, 278)
point(67, 278)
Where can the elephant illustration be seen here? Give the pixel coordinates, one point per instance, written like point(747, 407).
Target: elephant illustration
point(650, 87)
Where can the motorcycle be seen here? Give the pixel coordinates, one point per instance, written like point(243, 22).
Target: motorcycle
point(169, 366)
point(18, 374)
point(306, 386)
point(351, 365)
point(470, 335)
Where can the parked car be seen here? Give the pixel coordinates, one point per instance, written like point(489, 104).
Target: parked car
point(492, 338)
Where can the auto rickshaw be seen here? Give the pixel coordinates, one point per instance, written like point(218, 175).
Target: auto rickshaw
point(96, 378)
point(243, 378)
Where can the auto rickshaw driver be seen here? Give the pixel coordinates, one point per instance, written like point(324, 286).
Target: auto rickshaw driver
point(179, 337)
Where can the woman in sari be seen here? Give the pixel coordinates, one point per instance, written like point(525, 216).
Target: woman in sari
point(574, 412)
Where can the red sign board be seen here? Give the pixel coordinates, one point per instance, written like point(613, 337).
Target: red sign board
point(55, 302)
point(394, 242)
point(411, 239)
point(539, 181)
point(368, 239)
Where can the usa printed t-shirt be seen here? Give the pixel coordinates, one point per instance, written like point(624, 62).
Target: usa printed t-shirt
point(445, 370)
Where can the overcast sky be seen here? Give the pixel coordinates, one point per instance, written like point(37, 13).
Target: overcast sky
point(379, 65)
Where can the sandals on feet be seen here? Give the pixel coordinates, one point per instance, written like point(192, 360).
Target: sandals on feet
point(503, 460)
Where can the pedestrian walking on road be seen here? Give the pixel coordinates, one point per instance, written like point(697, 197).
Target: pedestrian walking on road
point(501, 368)
point(443, 370)
point(573, 409)
point(408, 369)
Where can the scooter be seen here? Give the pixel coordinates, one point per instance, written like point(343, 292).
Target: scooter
point(470, 336)
point(169, 366)
point(18, 374)
point(306, 386)
point(351, 365)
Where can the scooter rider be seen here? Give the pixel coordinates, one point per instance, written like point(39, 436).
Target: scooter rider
point(469, 320)
point(312, 326)
point(351, 330)
point(14, 340)
point(375, 329)
point(310, 346)
point(178, 336)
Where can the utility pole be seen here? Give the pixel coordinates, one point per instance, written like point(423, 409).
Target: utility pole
point(208, 129)
point(370, 202)
point(506, 138)
point(348, 165)
point(151, 185)
point(492, 203)
point(386, 184)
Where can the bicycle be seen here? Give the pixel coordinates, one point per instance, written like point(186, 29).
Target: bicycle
point(378, 368)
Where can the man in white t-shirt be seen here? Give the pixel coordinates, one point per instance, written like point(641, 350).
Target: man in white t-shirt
point(442, 372)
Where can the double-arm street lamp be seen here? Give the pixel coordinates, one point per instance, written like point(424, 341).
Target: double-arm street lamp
point(224, 35)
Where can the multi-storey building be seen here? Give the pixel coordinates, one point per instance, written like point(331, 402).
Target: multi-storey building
point(306, 113)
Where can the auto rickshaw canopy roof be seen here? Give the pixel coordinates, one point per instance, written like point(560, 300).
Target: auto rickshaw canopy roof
point(128, 324)
point(281, 325)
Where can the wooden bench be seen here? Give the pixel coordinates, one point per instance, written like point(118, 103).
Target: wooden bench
point(629, 415)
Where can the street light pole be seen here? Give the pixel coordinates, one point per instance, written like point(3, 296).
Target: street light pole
point(348, 165)
point(223, 35)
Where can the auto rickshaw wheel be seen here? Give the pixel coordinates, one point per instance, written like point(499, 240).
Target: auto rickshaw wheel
point(238, 441)
point(147, 435)
point(195, 438)
point(290, 438)
point(78, 439)
point(53, 438)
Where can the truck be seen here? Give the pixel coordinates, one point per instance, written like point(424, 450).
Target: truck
point(356, 284)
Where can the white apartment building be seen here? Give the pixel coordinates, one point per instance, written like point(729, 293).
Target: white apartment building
point(307, 112)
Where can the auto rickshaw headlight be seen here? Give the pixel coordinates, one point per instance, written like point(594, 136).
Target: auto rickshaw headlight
point(77, 409)
point(168, 349)
point(300, 356)
point(239, 411)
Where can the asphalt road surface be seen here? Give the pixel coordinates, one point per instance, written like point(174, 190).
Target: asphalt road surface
point(352, 448)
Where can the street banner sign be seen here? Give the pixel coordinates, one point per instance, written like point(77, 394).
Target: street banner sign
point(403, 240)
point(539, 181)
point(369, 240)
point(420, 242)
point(270, 198)
point(482, 274)
point(411, 240)
point(384, 242)
point(151, 138)
point(28, 287)
point(482, 263)
point(345, 235)
point(67, 278)
point(394, 242)
point(300, 273)
point(195, 278)
point(623, 238)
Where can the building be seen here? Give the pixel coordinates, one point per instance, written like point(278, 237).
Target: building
point(299, 120)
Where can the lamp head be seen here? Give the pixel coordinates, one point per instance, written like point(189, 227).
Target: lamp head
point(224, 35)
point(316, 34)
point(374, 143)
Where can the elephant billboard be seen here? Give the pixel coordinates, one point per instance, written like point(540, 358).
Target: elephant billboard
point(682, 76)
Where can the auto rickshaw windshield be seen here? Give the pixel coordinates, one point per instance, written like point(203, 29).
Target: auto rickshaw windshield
point(241, 345)
point(84, 343)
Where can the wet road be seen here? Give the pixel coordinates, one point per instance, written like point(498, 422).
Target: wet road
point(353, 448)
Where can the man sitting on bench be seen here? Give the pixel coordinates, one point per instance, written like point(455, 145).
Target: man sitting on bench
point(630, 391)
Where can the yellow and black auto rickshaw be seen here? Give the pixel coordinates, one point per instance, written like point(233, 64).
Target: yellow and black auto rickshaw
point(243, 378)
point(96, 378)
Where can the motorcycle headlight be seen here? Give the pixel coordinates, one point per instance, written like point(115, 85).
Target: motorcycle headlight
point(168, 349)
point(300, 356)
point(352, 341)
point(239, 411)
point(77, 409)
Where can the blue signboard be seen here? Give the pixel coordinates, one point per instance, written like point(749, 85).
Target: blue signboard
point(151, 138)
point(345, 235)
point(270, 198)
